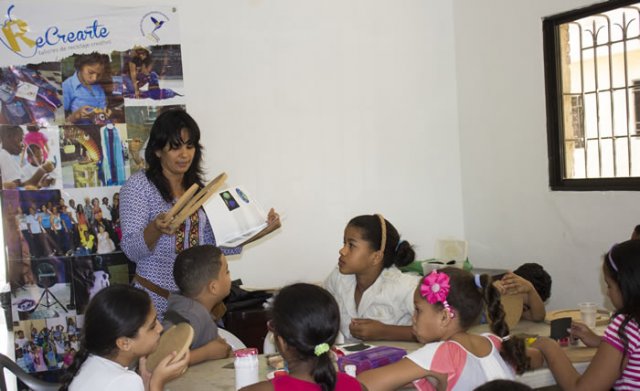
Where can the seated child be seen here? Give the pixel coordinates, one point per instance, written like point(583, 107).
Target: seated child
point(616, 362)
point(447, 303)
point(533, 283)
point(374, 296)
point(202, 275)
point(120, 328)
point(305, 329)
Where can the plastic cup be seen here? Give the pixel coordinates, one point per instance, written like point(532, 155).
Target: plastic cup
point(588, 312)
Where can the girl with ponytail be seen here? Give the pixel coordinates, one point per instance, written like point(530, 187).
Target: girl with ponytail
point(447, 303)
point(374, 296)
point(120, 327)
point(305, 323)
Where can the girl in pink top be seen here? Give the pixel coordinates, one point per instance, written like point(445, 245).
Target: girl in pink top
point(305, 323)
point(447, 303)
point(35, 136)
point(616, 364)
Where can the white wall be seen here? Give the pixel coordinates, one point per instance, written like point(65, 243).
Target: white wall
point(327, 110)
point(510, 215)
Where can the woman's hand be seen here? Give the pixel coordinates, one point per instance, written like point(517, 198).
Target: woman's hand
point(585, 334)
point(156, 228)
point(163, 224)
point(273, 218)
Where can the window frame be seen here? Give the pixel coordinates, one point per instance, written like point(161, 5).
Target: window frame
point(554, 110)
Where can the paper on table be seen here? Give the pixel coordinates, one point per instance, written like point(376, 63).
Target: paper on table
point(235, 216)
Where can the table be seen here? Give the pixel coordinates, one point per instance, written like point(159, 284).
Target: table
point(219, 375)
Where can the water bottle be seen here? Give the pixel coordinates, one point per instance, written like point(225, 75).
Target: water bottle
point(247, 367)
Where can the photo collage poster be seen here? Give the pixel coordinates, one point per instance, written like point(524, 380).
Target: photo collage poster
point(78, 96)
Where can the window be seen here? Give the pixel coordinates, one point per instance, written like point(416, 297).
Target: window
point(592, 75)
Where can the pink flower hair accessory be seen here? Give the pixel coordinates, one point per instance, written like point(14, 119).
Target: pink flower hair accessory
point(435, 289)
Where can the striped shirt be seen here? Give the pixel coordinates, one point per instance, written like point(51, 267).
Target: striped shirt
point(630, 378)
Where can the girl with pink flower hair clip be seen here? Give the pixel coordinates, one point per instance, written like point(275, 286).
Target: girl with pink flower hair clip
point(448, 302)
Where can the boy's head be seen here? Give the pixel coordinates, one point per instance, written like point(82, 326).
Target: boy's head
point(536, 275)
point(201, 268)
point(11, 138)
point(636, 233)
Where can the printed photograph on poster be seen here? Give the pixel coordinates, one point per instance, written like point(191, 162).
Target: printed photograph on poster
point(46, 344)
point(44, 224)
point(95, 219)
point(31, 94)
point(139, 121)
point(151, 74)
point(94, 155)
point(30, 157)
point(96, 272)
point(50, 296)
point(15, 229)
point(92, 89)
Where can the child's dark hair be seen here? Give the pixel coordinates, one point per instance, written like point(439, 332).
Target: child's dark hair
point(396, 252)
point(306, 325)
point(622, 265)
point(116, 311)
point(89, 59)
point(467, 299)
point(195, 267)
point(167, 130)
point(135, 54)
point(503, 385)
point(536, 275)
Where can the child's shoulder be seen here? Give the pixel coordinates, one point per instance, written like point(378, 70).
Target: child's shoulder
point(392, 276)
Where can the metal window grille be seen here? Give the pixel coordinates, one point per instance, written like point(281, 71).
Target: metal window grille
point(594, 88)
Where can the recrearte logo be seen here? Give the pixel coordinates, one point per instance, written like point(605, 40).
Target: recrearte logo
point(151, 23)
point(15, 35)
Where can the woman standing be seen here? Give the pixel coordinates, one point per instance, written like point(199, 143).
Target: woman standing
point(174, 163)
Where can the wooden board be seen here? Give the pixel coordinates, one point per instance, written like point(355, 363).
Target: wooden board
point(602, 316)
point(178, 338)
point(512, 305)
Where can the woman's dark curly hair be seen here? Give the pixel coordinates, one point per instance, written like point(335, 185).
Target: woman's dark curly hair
point(167, 131)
